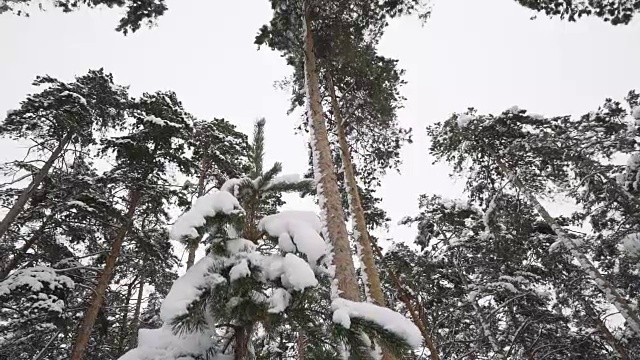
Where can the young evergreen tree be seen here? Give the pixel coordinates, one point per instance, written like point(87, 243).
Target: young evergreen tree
point(222, 153)
point(241, 289)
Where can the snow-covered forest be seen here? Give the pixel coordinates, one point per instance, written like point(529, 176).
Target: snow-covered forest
point(133, 229)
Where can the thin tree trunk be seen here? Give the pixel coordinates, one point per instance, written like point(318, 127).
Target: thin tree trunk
point(481, 322)
point(405, 297)
point(613, 342)
point(97, 298)
point(17, 208)
point(192, 246)
point(357, 212)
point(124, 329)
point(13, 263)
point(326, 182)
point(301, 344)
point(610, 292)
point(136, 315)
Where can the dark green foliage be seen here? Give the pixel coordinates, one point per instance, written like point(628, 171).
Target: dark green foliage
point(85, 108)
point(138, 11)
point(221, 151)
point(617, 12)
point(70, 220)
point(549, 155)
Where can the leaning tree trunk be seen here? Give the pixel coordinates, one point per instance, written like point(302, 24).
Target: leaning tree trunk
point(406, 296)
point(329, 196)
point(17, 208)
point(360, 224)
point(613, 342)
point(97, 298)
point(610, 292)
point(357, 212)
point(13, 263)
point(192, 246)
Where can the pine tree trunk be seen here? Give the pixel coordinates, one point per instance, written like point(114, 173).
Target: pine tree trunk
point(301, 345)
point(205, 164)
point(481, 322)
point(326, 181)
point(124, 329)
point(13, 263)
point(242, 340)
point(362, 234)
point(610, 292)
point(613, 342)
point(357, 212)
point(84, 334)
point(136, 315)
point(405, 297)
point(17, 208)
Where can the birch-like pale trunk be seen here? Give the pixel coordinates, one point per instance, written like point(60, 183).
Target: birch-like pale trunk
point(335, 229)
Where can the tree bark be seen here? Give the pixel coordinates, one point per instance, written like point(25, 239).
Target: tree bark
point(124, 329)
point(362, 234)
point(357, 212)
point(13, 263)
point(611, 293)
point(301, 344)
point(335, 229)
point(27, 193)
point(242, 339)
point(97, 298)
point(136, 315)
point(193, 244)
point(613, 342)
point(405, 297)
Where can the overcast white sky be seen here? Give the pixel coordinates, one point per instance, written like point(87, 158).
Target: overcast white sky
point(482, 53)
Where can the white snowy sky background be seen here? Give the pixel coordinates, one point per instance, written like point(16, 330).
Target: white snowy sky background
point(482, 53)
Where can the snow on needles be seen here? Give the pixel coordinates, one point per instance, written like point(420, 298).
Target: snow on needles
point(285, 179)
point(206, 206)
point(189, 287)
point(464, 119)
point(631, 244)
point(636, 113)
point(36, 278)
point(294, 272)
point(296, 230)
point(239, 270)
point(163, 344)
point(156, 120)
point(344, 310)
